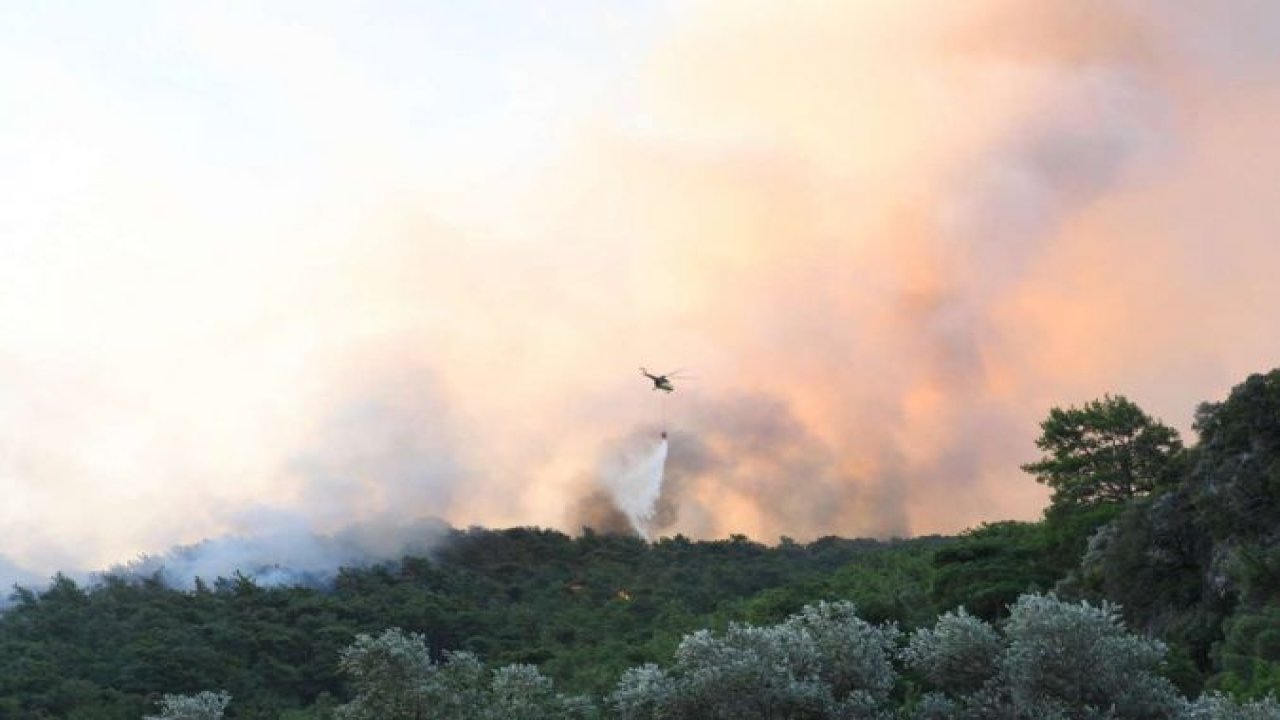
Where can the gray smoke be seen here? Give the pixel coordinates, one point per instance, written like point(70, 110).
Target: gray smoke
point(381, 466)
point(749, 455)
point(13, 575)
point(285, 552)
point(385, 450)
point(597, 510)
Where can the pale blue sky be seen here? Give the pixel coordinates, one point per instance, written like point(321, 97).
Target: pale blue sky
point(256, 83)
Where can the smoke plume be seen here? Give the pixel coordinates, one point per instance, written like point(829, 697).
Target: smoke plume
point(888, 236)
point(286, 552)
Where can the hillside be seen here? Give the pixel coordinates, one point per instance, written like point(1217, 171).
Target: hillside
point(1187, 547)
point(583, 609)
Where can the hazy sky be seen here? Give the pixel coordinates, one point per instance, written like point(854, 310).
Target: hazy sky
point(316, 263)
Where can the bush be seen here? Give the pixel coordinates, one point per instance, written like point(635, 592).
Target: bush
point(959, 654)
point(1054, 659)
point(201, 706)
point(1077, 660)
point(395, 678)
point(822, 662)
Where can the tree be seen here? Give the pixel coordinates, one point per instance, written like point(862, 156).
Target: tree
point(1238, 460)
point(1105, 452)
point(988, 567)
point(1249, 654)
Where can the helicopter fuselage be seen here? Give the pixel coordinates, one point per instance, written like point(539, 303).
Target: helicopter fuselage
point(660, 382)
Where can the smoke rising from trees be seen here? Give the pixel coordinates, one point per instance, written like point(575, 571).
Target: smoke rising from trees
point(887, 236)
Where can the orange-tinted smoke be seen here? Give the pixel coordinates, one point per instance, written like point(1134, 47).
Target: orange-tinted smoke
point(886, 237)
point(911, 230)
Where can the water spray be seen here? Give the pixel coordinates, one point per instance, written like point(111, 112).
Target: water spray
point(636, 483)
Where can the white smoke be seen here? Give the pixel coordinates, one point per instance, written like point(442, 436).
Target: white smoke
point(13, 575)
point(288, 553)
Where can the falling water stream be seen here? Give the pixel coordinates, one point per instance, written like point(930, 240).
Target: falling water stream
point(636, 483)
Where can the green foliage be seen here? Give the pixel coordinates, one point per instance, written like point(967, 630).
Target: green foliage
point(1199, 562)
point(1068, 531)
point(891, 583)
point(986, 569)
point(1108, 451)
point(1139, 557)
point(1238, 465)
point(583, 610)
point(1249, 655)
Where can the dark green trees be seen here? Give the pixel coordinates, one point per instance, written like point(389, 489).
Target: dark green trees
point(1097, 458)
point(1238, 466)
point(1108, 451)
point(1199, 565)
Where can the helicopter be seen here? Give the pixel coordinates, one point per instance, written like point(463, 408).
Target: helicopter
point(660, 382)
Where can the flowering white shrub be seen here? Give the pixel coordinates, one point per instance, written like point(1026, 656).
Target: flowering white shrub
point(395, 679)
point(456, 688)
point(201, 706)
point(1050, 660)
point(1213, 706)
point(749, 672)
point(854, 655)
point(389, 674)
point(959, 654)
point(824, 662)
point(1077, 661)
point(520, 692)
point(643, 693)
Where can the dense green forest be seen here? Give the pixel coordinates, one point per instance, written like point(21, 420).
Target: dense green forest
point(583, 609)
point(1184, 540)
